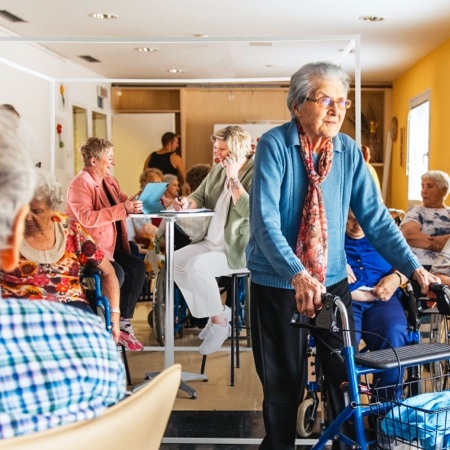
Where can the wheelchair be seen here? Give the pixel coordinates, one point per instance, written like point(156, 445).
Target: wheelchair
point(91, 282)
point(182, 317)
point(315, 399)
point(382, 408)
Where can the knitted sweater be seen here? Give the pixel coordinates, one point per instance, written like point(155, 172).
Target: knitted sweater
point(276, 202)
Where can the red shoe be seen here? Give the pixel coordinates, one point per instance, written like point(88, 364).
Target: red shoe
point(129, 340)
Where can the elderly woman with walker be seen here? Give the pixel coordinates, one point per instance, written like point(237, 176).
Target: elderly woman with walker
point(307, 175)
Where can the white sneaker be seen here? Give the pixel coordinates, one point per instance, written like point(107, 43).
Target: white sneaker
point(226, 313)
point(216, 335)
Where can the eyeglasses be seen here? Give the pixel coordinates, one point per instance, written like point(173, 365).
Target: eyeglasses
point(328, 102)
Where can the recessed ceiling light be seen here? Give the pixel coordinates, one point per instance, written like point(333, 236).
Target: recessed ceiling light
point(103, 16)
point(177, 71)
point(371, 19)
point(146, 49)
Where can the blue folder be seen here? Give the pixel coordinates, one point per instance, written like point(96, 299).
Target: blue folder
point(151, 197)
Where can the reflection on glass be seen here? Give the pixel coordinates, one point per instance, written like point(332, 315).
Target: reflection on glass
point(80, 135)
point(99, 127)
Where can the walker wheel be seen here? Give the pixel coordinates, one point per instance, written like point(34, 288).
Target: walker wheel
point(305, 423)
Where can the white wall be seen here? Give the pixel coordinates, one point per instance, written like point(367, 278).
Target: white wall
point(134, 137)
point(30, 80)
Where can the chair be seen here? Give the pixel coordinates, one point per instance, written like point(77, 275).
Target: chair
point(138, 422)
point(235, 322)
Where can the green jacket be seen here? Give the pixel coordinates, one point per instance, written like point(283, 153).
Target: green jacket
point(237, 226)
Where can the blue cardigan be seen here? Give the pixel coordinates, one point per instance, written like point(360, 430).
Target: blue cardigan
point(276, 200)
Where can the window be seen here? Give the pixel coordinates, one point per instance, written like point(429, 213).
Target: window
point(418, 144)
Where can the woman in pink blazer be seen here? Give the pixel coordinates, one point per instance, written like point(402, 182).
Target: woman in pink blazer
point(95, 200)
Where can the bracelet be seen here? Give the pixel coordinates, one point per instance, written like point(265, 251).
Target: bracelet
point(235, 183)
point(115, 310)
point(399, 277)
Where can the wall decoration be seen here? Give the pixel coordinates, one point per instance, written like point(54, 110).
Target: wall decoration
point(62, 91)
point(59, 131)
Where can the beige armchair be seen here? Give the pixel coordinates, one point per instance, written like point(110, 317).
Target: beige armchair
point(137, 422)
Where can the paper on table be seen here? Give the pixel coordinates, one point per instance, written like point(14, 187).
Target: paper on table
point(185, 211)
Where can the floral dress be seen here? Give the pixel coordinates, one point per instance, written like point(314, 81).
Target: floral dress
point(53, 274)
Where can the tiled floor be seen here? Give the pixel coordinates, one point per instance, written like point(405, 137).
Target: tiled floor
point(222, 416)
point(220, 410)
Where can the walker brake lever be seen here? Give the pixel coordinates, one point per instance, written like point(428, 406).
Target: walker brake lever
point(326, 316)
point(442, 292)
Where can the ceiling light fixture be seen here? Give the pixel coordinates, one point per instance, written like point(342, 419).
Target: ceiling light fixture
point(371, 18)
point(200, 35)
point(146, 49)
point(177, 71)
point(103, 16)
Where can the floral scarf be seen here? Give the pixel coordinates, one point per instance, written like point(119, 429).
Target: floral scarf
point(312, 241)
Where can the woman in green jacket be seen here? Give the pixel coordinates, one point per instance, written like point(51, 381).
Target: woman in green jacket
point(219, 250)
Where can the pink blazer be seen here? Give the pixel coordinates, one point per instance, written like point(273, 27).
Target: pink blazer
point(88, 203)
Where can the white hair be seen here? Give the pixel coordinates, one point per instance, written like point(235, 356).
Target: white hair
point(48, 189)
point(17, 178)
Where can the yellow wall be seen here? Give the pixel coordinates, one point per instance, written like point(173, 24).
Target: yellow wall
point(430, 73)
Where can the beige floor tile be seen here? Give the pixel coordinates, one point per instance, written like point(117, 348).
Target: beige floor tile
point(216, 393)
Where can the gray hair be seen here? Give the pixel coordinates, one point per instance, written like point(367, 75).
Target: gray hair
point(304, 81)
point(48, 189)
point(440, 177)
point(17, 177)
point(238, 140)
point(94, 147)
point(169, 178)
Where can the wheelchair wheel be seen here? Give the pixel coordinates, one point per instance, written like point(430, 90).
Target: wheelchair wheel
point(306, 420)
point(159, 307)
point(439, 332)
point(150, 319)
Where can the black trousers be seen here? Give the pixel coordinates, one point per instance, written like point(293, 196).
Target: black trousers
point(279, 351)
point(130, 271)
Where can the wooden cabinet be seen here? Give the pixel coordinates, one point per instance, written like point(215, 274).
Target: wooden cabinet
point(197, 109)
point(375, 118)
point(144, 99)
point(376, 112)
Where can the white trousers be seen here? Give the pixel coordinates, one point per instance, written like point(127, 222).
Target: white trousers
point(196, 268)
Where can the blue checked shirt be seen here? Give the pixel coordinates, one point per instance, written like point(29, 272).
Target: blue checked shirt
point(58, 365)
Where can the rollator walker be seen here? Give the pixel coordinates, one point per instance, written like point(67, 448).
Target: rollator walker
point(359, 365)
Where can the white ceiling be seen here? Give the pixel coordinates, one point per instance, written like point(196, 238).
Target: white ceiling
point(246, 40)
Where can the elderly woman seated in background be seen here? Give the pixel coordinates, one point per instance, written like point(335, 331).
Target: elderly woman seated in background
point(53, 254)
point(41, 340)
point(427, 227)
point(150, 175)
